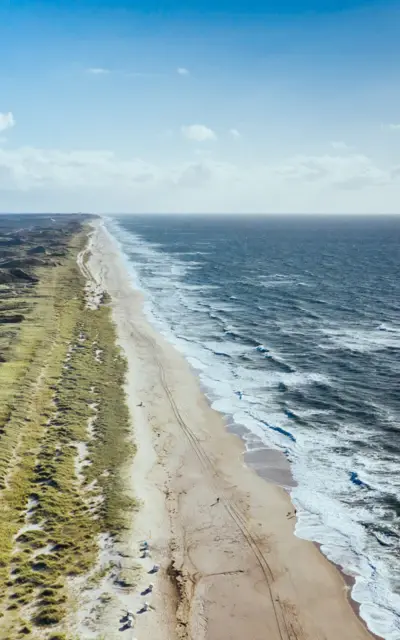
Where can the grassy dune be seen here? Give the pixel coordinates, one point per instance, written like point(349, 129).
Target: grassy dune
point(64, 438)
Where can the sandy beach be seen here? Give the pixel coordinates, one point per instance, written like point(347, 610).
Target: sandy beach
point(231, 566)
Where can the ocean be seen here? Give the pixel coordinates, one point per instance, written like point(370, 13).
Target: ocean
point(293, 326)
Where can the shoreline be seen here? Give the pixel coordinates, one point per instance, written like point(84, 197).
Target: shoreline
point(280, 574)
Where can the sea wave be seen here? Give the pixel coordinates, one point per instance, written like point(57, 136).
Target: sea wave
point(360, 339)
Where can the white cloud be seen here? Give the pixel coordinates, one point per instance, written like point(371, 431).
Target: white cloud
point(390, 127)
point(235, 133)
point(339, 145)
point(49, 179)
point(347, 172)
point(31, 168)
point(194, 175)
point(7, 121)
point(182, 71)
point(98, 71)
point(198, 132)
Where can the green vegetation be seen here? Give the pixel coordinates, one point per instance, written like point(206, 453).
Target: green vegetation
point(61, 394)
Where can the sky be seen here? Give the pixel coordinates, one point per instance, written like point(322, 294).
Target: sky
point(289, 106)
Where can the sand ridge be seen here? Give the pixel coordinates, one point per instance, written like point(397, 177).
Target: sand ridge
point(231, 567)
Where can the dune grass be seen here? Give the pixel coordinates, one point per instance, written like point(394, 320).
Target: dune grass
point(51, 386)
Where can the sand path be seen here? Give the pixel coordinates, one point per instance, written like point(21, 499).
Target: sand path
point(231, 567)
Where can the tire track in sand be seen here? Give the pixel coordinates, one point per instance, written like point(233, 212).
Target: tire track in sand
point(284, 627)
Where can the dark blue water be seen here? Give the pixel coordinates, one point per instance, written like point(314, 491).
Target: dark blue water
point(293, 324)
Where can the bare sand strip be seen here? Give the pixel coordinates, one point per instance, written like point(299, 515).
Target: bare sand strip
point(230, 569)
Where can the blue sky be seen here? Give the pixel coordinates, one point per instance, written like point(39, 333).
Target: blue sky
point(187, 106)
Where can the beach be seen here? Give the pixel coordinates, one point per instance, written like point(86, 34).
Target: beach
point(231, 566)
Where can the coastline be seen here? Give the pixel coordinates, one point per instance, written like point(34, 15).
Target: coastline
point(236, 565)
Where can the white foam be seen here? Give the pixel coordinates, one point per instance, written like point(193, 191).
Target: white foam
point(362, 340)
